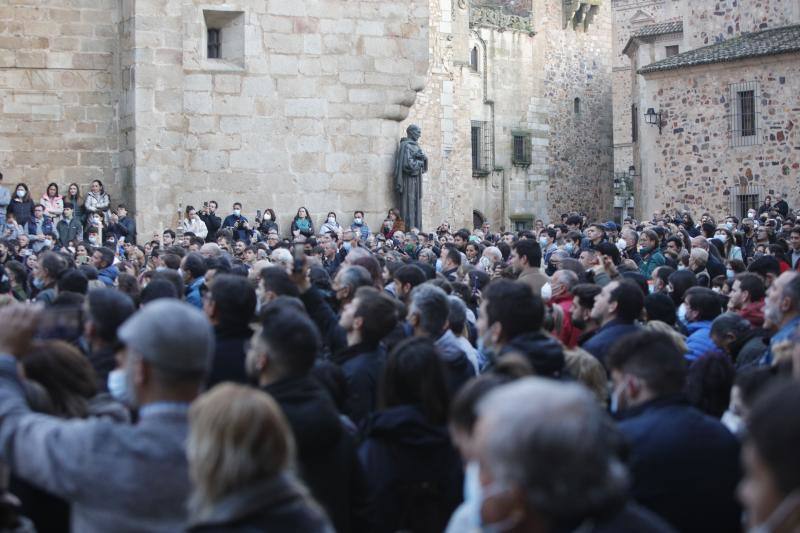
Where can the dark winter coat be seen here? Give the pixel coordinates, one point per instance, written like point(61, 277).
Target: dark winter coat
point(327, 460)
point(414, 472)
point(600, 343)
point(684, 465)
point(229, 354)
point(362, 365)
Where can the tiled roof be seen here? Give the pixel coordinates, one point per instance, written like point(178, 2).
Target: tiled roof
point(764, 43)
point(659, 29)
point(653, 30)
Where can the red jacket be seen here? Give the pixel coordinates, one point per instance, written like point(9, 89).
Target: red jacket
point(569, 333)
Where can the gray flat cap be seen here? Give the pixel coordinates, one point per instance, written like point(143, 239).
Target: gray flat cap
point(172, 335)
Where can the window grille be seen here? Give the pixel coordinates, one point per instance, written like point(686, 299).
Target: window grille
point(521, 149)
point(214, 44)
point(745, 115)
point(482, 148)
point(743, 199)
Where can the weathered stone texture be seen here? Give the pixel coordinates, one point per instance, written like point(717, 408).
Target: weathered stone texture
point(693, 165)
point(523, 83)
point(59, 92)
point(711, 22)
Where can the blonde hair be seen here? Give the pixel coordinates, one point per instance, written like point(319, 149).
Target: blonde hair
point(589, 371)
point(663, 327)
point(237, 436)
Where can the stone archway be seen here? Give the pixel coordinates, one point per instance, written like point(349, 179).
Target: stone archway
point(477, 219)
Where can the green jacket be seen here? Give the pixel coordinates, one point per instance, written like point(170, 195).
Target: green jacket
point(650, 262)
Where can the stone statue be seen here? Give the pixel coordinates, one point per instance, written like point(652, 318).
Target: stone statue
point(410, 163)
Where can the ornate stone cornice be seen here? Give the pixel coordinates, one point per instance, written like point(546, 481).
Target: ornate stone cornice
point(488, 17)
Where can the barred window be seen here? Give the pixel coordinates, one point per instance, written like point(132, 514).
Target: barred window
point(744, 117)
point(521, 148)
point(742, 199)
point(214, 43)
point(482, 148)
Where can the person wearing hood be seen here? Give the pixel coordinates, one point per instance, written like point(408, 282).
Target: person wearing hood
point(427, 315)
point(103, 261)
point(414, 471)
point(280, 358)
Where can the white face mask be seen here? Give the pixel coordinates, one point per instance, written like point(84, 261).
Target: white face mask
point(237, 212)
point(622, 245)
point(547, 291)
point(358, 220)
point(722, 237)
point(48, 243)
point(615, 396)
point(267, 216)
point(331, 220)
point(20, 193)
point(117, 384)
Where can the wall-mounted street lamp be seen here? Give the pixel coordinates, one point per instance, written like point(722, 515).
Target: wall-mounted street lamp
point(632, 172)
point(653, 118)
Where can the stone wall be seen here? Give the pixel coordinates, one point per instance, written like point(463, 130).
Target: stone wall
point(692, 164)
point(525, 81)
point(580, 159)
point(59, 91)
point(708, 22)
point(308, 115)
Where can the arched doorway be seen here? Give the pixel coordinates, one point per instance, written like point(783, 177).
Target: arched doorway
point(477, 219)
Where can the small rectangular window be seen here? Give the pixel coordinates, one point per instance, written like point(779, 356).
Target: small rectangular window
point(634, 123)
point(672, 50)
point(473, 58)
point(744, 107)
point(214, 44)
point(747, 118)
point(482, 148)
point(521, 149)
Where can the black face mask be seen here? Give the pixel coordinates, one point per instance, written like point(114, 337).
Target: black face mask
point(550, 270)
point(579, 323)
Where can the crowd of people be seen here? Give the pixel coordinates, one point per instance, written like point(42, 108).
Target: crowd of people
point(225, 376)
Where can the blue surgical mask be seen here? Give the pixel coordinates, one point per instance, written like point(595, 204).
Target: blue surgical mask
point(39, 284)
point(472, 494)
point(347, 246)
point(438, 265)
point(613, 407)
point(569, 247)
point(543, 242)
point(117, 384)
point(730, 273)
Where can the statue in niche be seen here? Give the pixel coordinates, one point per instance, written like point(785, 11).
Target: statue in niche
point(410, 163)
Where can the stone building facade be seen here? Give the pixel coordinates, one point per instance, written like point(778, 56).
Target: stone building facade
point(724, 78)
point(537, 74)
point(283, 104)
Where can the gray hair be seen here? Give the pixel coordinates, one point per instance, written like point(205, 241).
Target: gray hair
point(568, 278)
point(552, 441)
point(355, 276)
point(430, 303)
point(458, 314)
point(495, 252)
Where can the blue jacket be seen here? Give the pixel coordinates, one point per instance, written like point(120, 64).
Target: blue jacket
point(684, 465)
point(193, 293)
point(363, 229)
point(783, 334)
point(236, 224)
point(699, 340)
point(108, 275)
point(599, 344)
